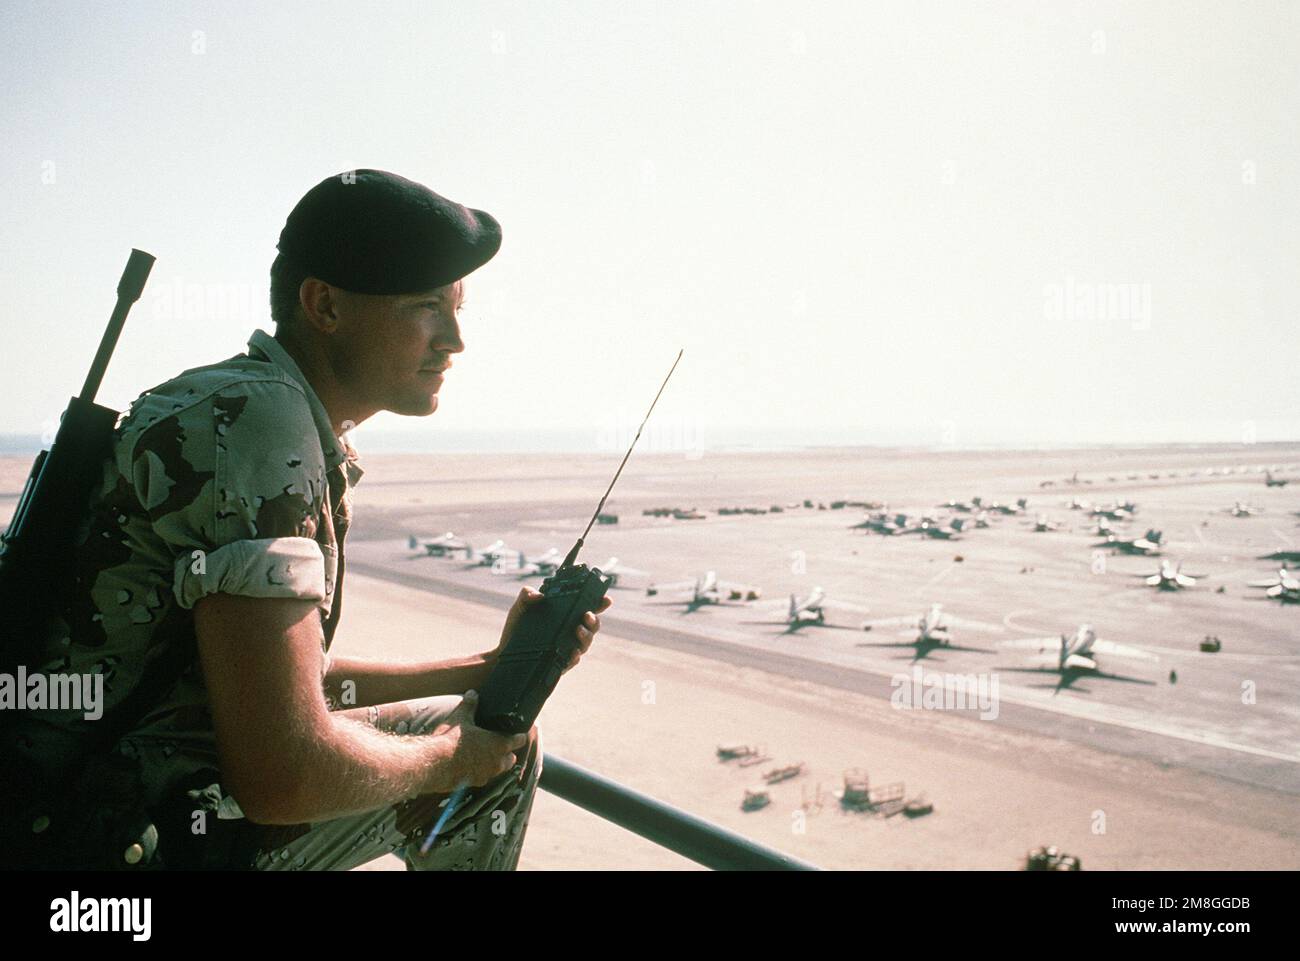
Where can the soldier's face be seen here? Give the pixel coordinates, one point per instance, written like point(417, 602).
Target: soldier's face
point(398, 348)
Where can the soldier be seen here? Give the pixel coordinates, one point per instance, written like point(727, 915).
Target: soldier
point(210, 585)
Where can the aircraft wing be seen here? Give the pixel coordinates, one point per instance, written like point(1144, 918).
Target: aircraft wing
point(1052, 643)
point(671, 587)
point(973, 625)
point(1111, 649)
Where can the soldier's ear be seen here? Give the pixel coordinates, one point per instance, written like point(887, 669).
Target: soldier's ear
point(318, 304)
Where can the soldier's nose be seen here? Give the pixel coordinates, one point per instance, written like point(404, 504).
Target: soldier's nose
point(449, 340)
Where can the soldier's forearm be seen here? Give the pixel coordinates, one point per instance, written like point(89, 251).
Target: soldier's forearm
point(352, 768)
point(354, 682)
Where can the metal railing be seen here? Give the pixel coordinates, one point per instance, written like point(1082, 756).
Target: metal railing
point(692, 837)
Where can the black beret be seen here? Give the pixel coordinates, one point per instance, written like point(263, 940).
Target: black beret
point(373, 232)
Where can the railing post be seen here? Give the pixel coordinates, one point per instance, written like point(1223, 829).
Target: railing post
point(692, 837)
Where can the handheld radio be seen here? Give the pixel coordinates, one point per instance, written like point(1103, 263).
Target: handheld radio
point(544, 640)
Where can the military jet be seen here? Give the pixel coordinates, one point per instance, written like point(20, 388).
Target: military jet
point(808, 610)
point(1241, 509)
point(1019, 507)
point(544, 565)
point(889, 526)
point(445, 545)
point(1075, 504)
point(1103, 529)
point(1285, 587)
point(1271, 481)
point(1170, 577)
point(1147, 546)
point(960, 506)
point(1044, 526)
point(496, 556)
point(616, 571)
point(1116, 512)
point(933, 631)
point(811, 611)
point(706, 589)
point(1077, 655)
point(935, 529)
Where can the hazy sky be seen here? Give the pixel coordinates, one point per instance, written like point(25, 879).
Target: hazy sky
point(930, 222)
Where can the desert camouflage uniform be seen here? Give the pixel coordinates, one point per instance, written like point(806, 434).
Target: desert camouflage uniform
point(227, 479)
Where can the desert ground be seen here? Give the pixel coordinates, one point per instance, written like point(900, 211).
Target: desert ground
point(1129, 770)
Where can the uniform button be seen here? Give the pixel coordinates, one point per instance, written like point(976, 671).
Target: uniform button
point(133, 854)
point(40, 824)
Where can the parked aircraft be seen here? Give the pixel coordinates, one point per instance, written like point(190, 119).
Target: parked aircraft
point(1170, 577)
point(706, 589)
point(1284, 587)
point(1077, 655)
point(1147, 545)
point(933, 631)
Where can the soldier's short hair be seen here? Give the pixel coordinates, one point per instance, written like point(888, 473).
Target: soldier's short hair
point(286, 279)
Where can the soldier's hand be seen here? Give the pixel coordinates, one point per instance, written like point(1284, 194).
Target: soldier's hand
point(526, 599)
point(474, 755)
point(586, 632)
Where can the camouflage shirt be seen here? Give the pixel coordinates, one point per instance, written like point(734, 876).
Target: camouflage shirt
point(226, 479)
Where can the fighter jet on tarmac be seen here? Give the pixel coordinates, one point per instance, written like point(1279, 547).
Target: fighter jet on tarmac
point(933, 631)
point(1077, 655)
point(706, 589)
point(1170, 577)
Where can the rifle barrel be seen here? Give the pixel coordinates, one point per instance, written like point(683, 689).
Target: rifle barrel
point(129, 289)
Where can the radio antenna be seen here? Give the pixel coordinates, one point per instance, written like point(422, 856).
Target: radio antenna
point(573, 553)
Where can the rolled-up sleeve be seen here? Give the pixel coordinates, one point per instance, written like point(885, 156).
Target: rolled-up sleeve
point(271, 567)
